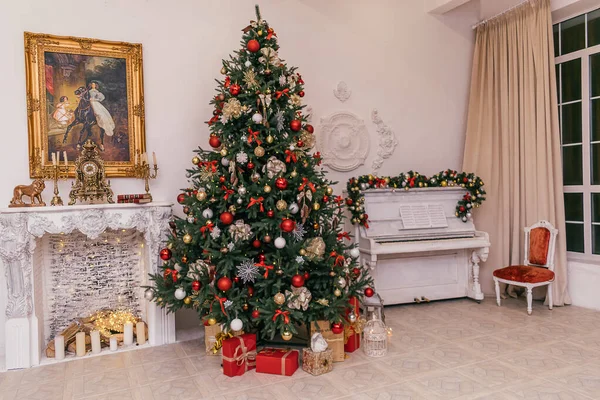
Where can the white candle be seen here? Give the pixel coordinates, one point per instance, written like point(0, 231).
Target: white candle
point(57, 157)
point(140, 332)
point(145, 158)
point(154, 157)
point(65, 157)
point(113, 343)
point(128, 334)
point(95, 335)
point(80, 344)
point(59, 347)
point(53, 158)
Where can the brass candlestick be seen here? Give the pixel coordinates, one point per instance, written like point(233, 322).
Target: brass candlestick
point(55, 172)
point(142, 170)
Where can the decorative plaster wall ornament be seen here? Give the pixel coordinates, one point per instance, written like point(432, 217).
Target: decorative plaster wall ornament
point(387, 141)
point(343, 141)
point(308, 112)
point(342, 92)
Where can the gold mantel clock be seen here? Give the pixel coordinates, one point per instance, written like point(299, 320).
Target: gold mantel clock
point(90, 177)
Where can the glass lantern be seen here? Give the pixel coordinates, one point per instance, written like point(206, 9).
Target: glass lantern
point(373, 307)
point(375, 338)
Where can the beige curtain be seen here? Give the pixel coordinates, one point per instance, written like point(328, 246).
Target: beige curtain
point(512, 139)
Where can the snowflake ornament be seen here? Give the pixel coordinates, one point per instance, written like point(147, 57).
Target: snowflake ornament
point(282, 80)
point(300, 260)
point(231, 246)
point(216, 232)
point(299, 232)
point(247, 271)
point(241, 157)
point(228, 303)
point(280, 120)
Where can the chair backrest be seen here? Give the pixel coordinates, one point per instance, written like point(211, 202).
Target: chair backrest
point(540, 242)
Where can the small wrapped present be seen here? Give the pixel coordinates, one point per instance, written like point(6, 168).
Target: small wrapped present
point(277, 361)
point(210, 339)
point(317, 363)
point(351, 333)
point(335, 341)
point(239, 354)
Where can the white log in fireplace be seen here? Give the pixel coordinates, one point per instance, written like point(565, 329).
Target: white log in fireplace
point(31, 243)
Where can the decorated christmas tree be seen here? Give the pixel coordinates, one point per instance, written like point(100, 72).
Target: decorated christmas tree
point(261, 246)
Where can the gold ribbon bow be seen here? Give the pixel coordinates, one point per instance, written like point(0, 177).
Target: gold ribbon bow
point(241, 356)
point(219, 337)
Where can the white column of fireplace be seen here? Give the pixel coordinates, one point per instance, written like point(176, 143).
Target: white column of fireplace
point(21, 230)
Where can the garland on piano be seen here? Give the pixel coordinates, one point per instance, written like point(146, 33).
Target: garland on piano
point(449, 178)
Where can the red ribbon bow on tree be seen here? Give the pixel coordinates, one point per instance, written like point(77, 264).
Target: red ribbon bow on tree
point(280, 93)
point(342, 235)
point(339, 200)
point(253, 136)
point(211, 166)
point(213, 120)
point(227, 82)
point(317, 156)
point(339, 261)
point(306, 183)
point(210, 226)
point(221, 301)
point(411, 181)
point(266, 267)
point(289, 155)
point(286, 316)
point(228, 192)
point(300, 81)
point(379, 182)
point(271, 33)
point(258, 201)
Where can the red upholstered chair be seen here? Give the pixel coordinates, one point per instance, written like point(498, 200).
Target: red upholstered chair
point(538, 268)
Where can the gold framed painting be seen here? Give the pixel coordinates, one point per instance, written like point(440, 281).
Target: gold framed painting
point(79, 89)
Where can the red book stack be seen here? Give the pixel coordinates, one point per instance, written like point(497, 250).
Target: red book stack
point(134, 198)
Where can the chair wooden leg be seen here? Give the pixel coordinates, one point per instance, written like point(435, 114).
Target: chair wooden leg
point(497, 285)
point(550, 297)
point(529, 300)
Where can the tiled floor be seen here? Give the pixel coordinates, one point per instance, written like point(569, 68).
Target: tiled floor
point(444, 350)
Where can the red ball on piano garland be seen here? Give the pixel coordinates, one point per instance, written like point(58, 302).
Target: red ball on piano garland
point(369, 292)
point(224, 284)
point(297, 280)
point(226, 218)
point(287, 225)
point(165, 254)
point(214, 141)
point(461, 209)
point(181, 198)
point(337, 328)
point(196, 285)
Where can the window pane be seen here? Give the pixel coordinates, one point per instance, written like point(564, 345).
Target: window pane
point(575, 238)
point(595, 207)
point(572, 34)
point(595, 172)
point(595, 74)
point(593, 28)
point(595, 120)
point(558, 84)
point(571, 123)
point(596, 239)
point(571, 80)
point(572, 165)
point(555, 29)
point(574, 206)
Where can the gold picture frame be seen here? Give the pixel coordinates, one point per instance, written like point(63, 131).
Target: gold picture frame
point(80, 88)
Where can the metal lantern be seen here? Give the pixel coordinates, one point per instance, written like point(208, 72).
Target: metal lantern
point(373, 306)
point(375, 338)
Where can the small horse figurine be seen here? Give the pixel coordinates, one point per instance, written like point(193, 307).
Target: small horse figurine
point(84, 114)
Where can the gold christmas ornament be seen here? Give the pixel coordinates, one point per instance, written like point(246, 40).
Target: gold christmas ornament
point(329, 191)
point(244, 108)
point(211, 321)
point(267, 189)
point(281, 205)
point(187, 238)
point(279, 272)
point(286, 335)
point(255, 177)
point(270, 139)
point(223, 71)
point(232, 209)
point(316, 206)
point(223, 152)
point(259, 151)
point(302, 252)
point(267, 239)
point(232, 109)
point(279, 298)
point(337, 292)
point(315, 248)
point(196, 160)
point(316, 226)
point(444, 183)
point(332, 273)
point(187, 301)
point(294, 174)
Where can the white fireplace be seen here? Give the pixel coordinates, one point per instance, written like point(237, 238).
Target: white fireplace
point(65, 262)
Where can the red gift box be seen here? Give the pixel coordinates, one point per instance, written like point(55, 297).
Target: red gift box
point(277, 361)
point(239, 354)
point(351, 338)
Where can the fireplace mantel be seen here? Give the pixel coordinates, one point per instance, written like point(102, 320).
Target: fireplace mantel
point(19, 230)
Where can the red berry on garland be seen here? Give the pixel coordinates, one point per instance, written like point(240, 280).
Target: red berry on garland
point(297, 280)
point(306, 276)
point(465, 180)
point(270, 213)
point(255, 314)
point(250, 165)
point(181, 198)
point(337, 328)
point(226, 218)
point(253, 46)
point(369, 292)
point(281, 183)
point(295, 125)
point(287, 225)
point(214, 141)
point(224, 284)
point(196, 285)
point(261, 257)
point(256, 243)
point(165, 254)
point(309, 129)
point(235, 89)
point(301, 93)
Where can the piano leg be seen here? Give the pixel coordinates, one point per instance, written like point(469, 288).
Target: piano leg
point(475, 287)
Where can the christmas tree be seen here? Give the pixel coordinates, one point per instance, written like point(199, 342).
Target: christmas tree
point(262, 245)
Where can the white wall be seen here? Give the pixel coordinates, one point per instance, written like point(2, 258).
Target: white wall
point(413, 67)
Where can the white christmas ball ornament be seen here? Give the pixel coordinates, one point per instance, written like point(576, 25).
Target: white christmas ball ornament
point(354, 253)
point(294, 208)
point(180, 294)
point(208, 213)
point(225, 162)
point(280, 242)
point(236, 325)
point(257, 118)
point(242, 190)
point(149, 294)
point(247, 63)
point(239, 201)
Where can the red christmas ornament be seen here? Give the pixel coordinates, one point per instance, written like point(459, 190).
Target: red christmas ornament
point(325, 199)
point(250, 165)
point(181, 198)
point(256, 243)
point(226, 218)
point(222, 179)
point(297, 280)
point(337, 328)
point(253, 46)
point(186, 210)
point(287, 225)
point(349, 201)
point(235, 89)
point(301, 93)
point(250, 291)
point(236, 279)
point(255, 314)
point(174, 275)
point(356, 271)
point(224, 284)
point(465, 179)
point(461, 209)
point(167, 273)
point(214, 141)
point(295, 125)
point(369, 292)
point(270, 213)
point(281, 183)
point(300, 143)
point(165, 254)
point(184, 259)
point(205, 322)
point(261, 257)
point(309, 129)
point(306, 276)
point(196, 285)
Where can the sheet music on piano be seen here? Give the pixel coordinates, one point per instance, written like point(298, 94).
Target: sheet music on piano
point(420, 216)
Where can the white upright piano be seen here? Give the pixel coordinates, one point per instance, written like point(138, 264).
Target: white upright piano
point(417, 249)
